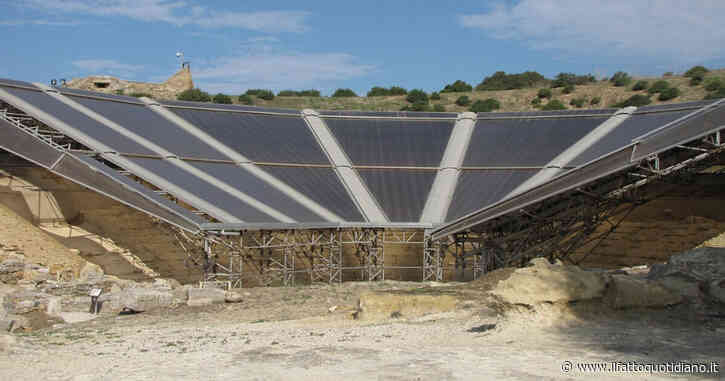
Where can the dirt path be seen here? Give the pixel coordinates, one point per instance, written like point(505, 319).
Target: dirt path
point(281, 334)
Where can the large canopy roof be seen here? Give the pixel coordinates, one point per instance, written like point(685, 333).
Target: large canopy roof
point(251, 168)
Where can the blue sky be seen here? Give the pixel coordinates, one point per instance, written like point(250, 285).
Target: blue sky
point(235, 45)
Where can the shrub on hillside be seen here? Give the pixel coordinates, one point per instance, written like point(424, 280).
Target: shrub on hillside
point(695, 81)
point(139, 95)
point(578, 102)
point(713, 84)
point(378, 91)
point(544, 93)
point(668, 74)
point(670, 93)
point(439, 108)
point(246, 99)
point(536, 101)
point(658, 87)
point(417, 96)
point(568, 89)
point(287, 93)
point(502, 81)
point(620, 79)
point(309, 93)
point(194, 95)
point(397, 90)
point(457, 87)
point(564, 79)
point(344, 93)
point(640, 85)
point(696, 71)
point(636, 100)
point(486, 105)
point(222, 99)
point(435, 96)
point(595, 101)
point(417, 106)
point(253, 91)
point(554, 104)
point(463, 100)
point(717, 94)
point(267, 95)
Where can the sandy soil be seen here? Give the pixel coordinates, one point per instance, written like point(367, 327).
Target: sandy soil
point(288, 333)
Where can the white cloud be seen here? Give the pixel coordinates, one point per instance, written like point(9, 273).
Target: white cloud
point(106, 66)
point(179, 13)
point(670, 30)
point(38, 22)
point(277, 71)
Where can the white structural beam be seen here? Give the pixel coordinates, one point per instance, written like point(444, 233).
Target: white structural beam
point(357, 189)
point(556, 165)
point(119, 160)
point(242, 161)
point(444, 185)
point(170, 157)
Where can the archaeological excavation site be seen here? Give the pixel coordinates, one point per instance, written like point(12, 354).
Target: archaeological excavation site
point(312, 228)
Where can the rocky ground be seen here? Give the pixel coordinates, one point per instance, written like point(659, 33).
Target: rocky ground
point(512, 324)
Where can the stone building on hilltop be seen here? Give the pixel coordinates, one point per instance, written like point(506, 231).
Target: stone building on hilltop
point(177, 83)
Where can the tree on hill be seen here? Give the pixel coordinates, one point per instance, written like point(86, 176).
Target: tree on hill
point(222, 99)
point(658, 87)
point(194, 95)
point(344, 93)
point(463, 100)
point(267, 95)
point(640, 85)
point(636, 100)
point(246, 99)
point(696, 71)
point(620, 79)
point(502, 81)
point(417, 96)
point(457, 87)
point(565, 79)
point(486, 105)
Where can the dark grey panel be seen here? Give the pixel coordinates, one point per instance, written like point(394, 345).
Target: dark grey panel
point(321, 185)
point(80, 172)
point(261, 138)
point(152, 126)
point(217, 106)
point(525, 142)
point(27, 146)
point(477, 189)
point(79, 121)
point(202, 189)
point(572, 179)
point(392, 142)
point(12, 82)
point(634, 126)
point(527, 114)
point(401, 193)
point(145, 192)
point(682, 132)
point(84, 93)
point(676, 106)
point(246, 182)
point(390, 114)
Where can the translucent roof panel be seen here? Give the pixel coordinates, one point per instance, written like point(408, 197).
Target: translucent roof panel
point(148, 200)
point(392, 142)
point(218, 106)
point(202, 189)
point(251, 185)
point(401, 193)
point(260, 138)
point(22, 144)
point(477, 189)
point(634, 126)
point(78, 121)
point(321, 185)
point(525, 142)
point(145, 122)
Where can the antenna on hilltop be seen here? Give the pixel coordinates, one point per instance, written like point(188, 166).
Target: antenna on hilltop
point(180, 56)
